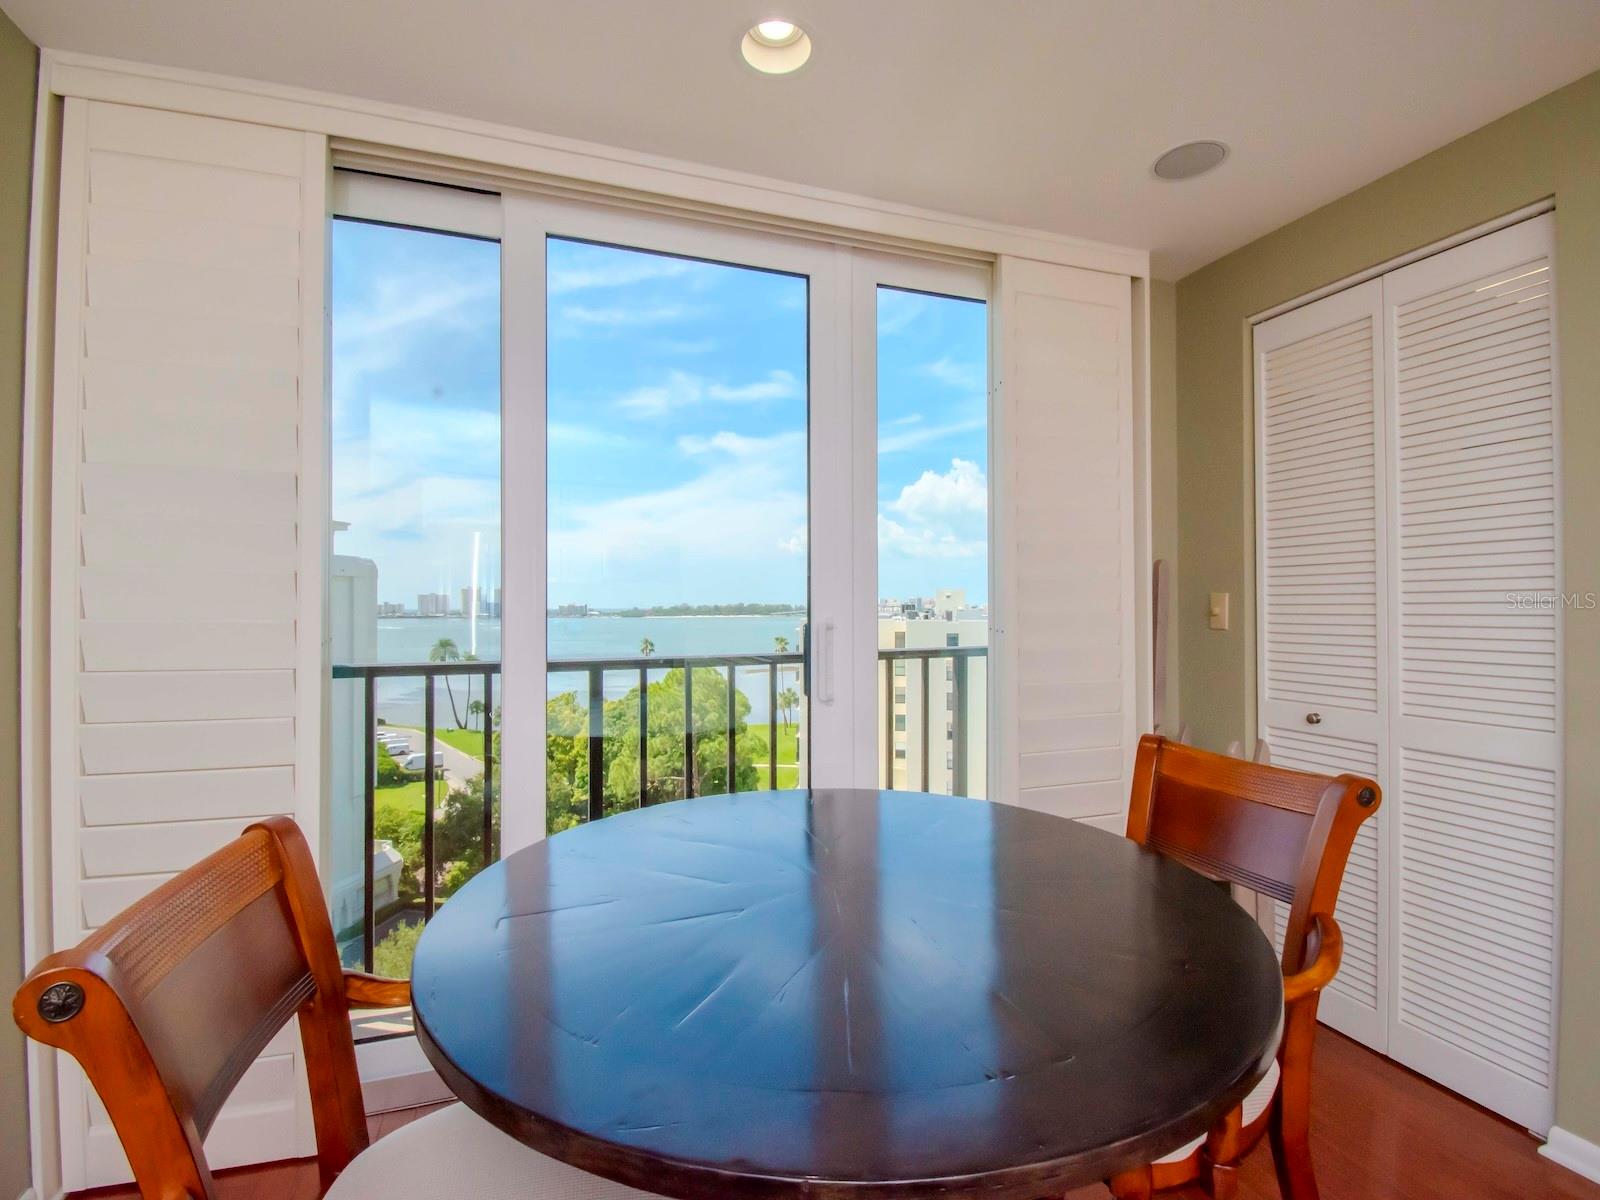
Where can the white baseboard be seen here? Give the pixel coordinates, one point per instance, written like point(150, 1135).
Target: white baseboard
point(30, 1194)
point(396, 1074)
point(1573, 1153)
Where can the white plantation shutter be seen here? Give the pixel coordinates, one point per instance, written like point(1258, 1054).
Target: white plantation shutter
point(1476, 745)
point(1319, 380)
point(1066, 723)
point(187, 538)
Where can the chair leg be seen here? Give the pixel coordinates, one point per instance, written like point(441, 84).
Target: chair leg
point(1136, 1184)
point(1224, 1182)
point(1289, 1128)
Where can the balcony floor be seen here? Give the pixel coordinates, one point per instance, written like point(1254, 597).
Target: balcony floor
point(1379, 1132)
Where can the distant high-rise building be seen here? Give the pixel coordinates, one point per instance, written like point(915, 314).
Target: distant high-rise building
point(433, 604)
point(945, 623)
point(470, 599)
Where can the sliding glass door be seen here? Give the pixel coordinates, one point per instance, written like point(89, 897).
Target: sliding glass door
point(677, 612)
point(736, 534)
point(929, 329)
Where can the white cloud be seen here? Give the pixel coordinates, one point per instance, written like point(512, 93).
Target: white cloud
point(681, 389)
point(380, 331)
point(725, 530)
point(897, 310)
point(797, 542)
point(923, 434)
point(967, 376)
point(960, 491)
point(620, 271)
point(942, 515)
point(622, 316)
point(737, 445)
point(703, 345)
point(560, 433)
point(896, 538)
point(778, 385)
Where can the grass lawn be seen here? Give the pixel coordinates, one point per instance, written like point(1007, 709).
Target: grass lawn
point(468, 741)
point(406, 798)
point(788, 756)
point(788, 775)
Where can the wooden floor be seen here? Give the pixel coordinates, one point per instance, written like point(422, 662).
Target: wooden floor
point(1378, 1133)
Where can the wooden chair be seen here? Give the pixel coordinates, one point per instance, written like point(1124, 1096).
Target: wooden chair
point(1286, 834)
point(168, 1004)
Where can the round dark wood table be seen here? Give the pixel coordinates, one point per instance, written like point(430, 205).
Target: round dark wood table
point(837, 993)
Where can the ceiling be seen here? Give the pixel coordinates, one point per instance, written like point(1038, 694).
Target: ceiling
point(1042, 113)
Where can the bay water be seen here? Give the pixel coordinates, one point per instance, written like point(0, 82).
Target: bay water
point(410, 639)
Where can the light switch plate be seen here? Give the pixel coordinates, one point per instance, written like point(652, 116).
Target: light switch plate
point(1219, 610)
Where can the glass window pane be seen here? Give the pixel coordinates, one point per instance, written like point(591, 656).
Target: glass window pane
point(677, 526)
point(933, 520)
point(415, 572)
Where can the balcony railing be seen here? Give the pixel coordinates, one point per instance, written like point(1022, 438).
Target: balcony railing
point(594, 671)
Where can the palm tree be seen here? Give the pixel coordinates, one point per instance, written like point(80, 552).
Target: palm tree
point(647, 647)
point(788, 701)
point(474, 709)
point(780, 644)
point(446, 651)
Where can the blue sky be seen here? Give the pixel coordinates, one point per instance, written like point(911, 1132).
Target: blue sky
point(677, 425)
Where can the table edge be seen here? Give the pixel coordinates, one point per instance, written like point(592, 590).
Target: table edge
point(683, 1179)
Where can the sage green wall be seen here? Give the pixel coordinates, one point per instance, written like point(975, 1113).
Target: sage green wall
point(19, 61)
point(1549, 148)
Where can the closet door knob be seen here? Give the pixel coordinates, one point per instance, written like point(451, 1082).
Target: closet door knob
point(1313, 718)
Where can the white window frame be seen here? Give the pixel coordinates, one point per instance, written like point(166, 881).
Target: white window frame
point(871, 270)
point(394, 1072)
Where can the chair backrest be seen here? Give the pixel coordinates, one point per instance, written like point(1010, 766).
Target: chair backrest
point(1286, 834)
point(168, 1004)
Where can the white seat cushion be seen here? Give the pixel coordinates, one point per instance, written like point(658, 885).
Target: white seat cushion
point(1254, 1105)
point(454, 1154)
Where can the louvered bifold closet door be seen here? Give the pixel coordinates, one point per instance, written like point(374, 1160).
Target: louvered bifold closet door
point(187, 538)
point(1066, 720)
point(1473, 801)
point(1320, 558)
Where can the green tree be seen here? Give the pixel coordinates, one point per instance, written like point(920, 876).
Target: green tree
point(391, 957)
point(646, 647)
point(566, 762)
point(475, 709)
point(567, 747)
point(445, 650)
point(780, 644)
point(390, 773)
point(458, 837)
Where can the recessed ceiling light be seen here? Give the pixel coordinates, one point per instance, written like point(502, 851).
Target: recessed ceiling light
point(1188, 160)
point(777, 33)
point(776, 47)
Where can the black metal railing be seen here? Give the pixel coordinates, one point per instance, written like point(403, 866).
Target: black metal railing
point(429, 673)
point(960, 685)
point(594, 672)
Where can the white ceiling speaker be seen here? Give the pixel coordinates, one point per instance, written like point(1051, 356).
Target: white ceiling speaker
point(776, 47)
point(1188, 160)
